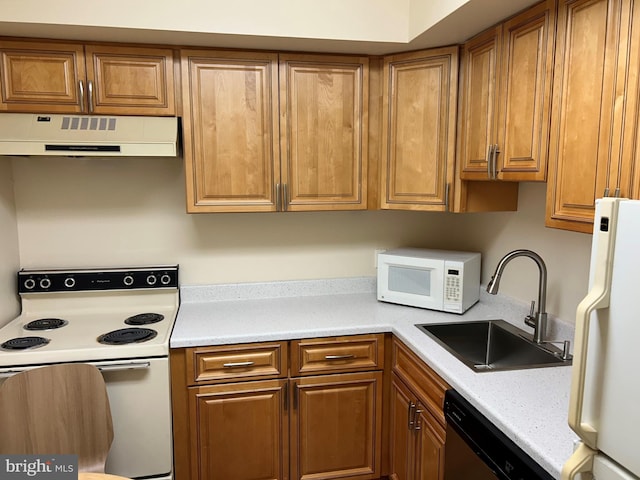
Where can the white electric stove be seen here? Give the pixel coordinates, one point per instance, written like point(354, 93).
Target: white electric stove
point(119, 319)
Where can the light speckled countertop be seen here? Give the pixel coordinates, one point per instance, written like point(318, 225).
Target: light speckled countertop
point(529, 406)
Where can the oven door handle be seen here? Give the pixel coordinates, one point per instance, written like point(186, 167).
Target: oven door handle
point(104, 367)
point(115, 367)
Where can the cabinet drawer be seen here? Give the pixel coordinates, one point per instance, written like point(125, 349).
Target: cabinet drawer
point(427, 384)
point(337, 354)
point(236, 362)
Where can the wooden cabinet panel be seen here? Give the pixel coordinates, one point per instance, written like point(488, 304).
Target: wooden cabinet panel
point(479, 101)
point(230, 129)
point(324, 128)
point(430, 444)
point(38, 77)
point(417, 438)
point(239, 431)
point(47, 77)
point(337, 354)
point(523, 120)
point(232, 104)
point(236, 362)
point(418, 137)
point(505, 99)
point(336, 426)
point(138, 79)
point(587, 106)
point(402, 446)
point(427, 385)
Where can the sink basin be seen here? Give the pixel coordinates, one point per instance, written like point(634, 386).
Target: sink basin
point(492, 345)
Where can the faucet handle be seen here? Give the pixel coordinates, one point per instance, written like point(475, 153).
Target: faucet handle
point(531, 319)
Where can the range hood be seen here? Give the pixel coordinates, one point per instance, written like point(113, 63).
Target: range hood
point(87, 135)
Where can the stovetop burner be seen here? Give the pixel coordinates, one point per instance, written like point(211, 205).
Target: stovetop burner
point(46, 324)
point(127, 335)
point(144, 319)
point(23, 343)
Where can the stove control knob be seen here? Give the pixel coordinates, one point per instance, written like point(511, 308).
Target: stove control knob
point(165, 279)
point(69, 282)
point(151, 280)
point(45, 283)
point(29, 283)
point(128, 280)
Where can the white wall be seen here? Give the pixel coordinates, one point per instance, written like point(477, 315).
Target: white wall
point(353, 26)
point(105, 212)
point(9, 255)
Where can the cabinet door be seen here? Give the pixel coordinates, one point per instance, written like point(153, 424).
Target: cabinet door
point(41, 77)
point(231, 150)
point(585, 113)
point(324, 129)
point(239, 431)
point(429, 450)
point(419, 116)
point(336, 426)
point(130, 81)
point(478, 105)
point(402, 444)
point(525, 94)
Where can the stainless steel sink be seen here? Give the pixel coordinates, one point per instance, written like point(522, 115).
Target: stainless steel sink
point(492, 345)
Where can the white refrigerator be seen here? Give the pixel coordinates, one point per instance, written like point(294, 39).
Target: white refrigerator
point(604, 405)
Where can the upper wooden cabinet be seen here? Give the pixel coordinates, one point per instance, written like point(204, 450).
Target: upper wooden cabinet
point(595, 109)
point(417, 168)
point(253, 143)
point(418, 129)
point(323, 129)
point(94, 79)
point(505, 98)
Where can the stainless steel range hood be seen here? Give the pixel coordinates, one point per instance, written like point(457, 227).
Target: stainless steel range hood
point(91, 136)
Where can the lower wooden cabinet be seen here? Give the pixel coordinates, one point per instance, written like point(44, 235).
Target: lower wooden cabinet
point(417, 425)
point(335, 426)
point(239, 415)
point(239, 431)
point(417, 446)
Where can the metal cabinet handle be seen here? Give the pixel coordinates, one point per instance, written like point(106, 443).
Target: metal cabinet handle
point(416, 419)
point(494, 161)
point(411, 415)
point(277, 197)
point(285, 198)
point(488, 159)
point(90, 95)
point(237, 364)
point(606, 192)
point(446, 197)
point(338, 357)
point(81, 93)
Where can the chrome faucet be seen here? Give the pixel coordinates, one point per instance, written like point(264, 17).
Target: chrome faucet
point(539, 320)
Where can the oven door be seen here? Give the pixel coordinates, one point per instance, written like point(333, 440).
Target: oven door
point(139, 397)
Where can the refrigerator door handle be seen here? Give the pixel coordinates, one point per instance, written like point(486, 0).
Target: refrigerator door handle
point(581, 461)
point(597, 298)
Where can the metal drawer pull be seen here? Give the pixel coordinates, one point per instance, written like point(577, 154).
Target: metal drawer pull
point(237, 364)
point(338, 357)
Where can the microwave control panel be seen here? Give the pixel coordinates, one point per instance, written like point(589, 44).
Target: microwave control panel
point(452, 285)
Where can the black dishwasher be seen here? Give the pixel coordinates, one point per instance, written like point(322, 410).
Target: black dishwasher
point(477, 450)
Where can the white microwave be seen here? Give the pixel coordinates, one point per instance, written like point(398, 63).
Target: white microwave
point(443, 280)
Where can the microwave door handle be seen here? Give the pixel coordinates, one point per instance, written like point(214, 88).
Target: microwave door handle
point(597, 298)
